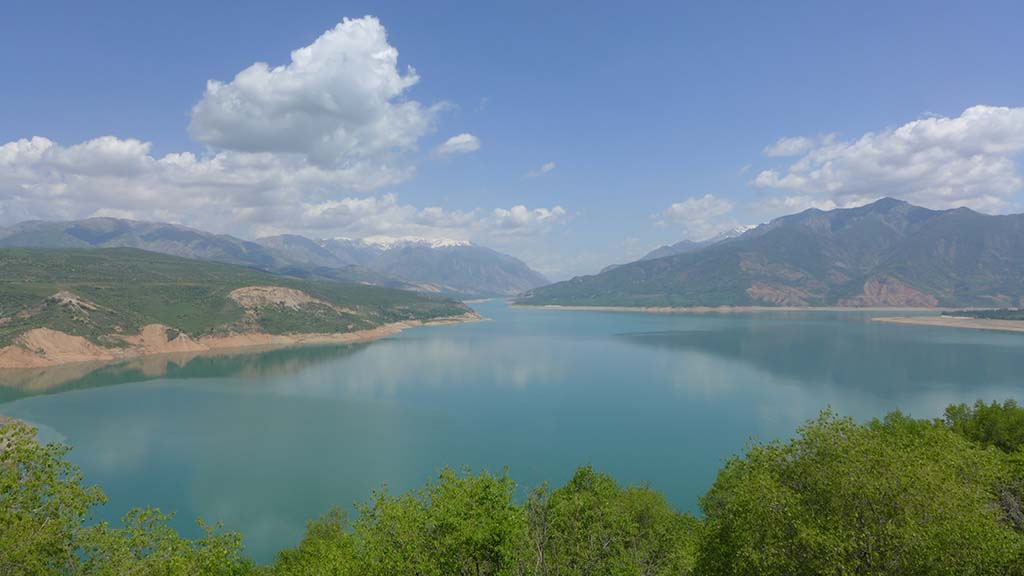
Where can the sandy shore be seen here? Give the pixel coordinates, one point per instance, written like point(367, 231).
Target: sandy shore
point(727, 309)
point(956, 322)
point(43, 347)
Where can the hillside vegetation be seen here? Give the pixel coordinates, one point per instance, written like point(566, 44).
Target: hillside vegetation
point(891, 496)
point(999, 314)
point(888, 253)
point(102, 294)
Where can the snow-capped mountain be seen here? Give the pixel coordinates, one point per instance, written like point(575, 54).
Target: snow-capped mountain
point(449, 266)
point(685, 246)
point(443, 264)
point(390, 242)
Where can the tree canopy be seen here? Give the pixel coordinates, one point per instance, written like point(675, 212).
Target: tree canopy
point(889, 496)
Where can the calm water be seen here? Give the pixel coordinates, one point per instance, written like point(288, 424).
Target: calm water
point(263, 442)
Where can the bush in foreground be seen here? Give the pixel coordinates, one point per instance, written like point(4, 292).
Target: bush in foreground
point(895, 496)
point(898, 496)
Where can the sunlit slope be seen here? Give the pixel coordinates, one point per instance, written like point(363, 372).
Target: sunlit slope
point(102, 293)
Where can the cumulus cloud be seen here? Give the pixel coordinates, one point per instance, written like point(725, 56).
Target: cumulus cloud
point(699, 217)
point(519, 219)
point(339, 100)
point(42, 179)
point(969, 160)
point(244, 193)
point(458, 145)
point(302, 148)
point(384, 215)
point(793, 146)
point(543, 169)
point(782, 205)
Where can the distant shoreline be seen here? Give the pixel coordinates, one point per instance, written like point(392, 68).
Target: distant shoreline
point(64, 349)
point(956, 322)
point(730, 309)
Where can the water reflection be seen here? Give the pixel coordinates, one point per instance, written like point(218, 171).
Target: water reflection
point(250, 363)
point(854, 354)
point(265, 441)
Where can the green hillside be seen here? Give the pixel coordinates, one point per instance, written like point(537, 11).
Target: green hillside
point(97, 293)
point(888, 253)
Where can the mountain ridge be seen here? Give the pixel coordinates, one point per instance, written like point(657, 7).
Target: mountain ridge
point(459, 268)
point(887, 253)
point(684, 246)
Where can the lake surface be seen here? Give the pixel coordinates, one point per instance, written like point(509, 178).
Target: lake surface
point(265, 441)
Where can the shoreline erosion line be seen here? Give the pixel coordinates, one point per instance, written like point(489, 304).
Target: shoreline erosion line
point(933, 320)
point(43, 348)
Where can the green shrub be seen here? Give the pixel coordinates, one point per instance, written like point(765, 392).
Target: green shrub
point(898, 496)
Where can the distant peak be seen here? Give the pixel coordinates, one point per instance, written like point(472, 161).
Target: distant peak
point(886, 203)
point(389, 242)
point(730, 233)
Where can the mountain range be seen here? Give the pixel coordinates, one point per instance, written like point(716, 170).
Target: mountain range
point(443, 265)
point(448, 267)
point(888, 253)
point(684, 246)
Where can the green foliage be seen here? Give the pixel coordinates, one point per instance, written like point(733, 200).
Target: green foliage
point(458, 525)
point(898, 496)
point(328, 549)
point(44, 508)
point(42, 505)
point(999, 425)
point(593, 526)
point(892, 496)
point(131, 288)
point(469, 524)
point(146, 545)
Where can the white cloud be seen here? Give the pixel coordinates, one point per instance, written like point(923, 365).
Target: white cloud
point(384, 215)
point(782, 205)
point(458, 145)
point(543, 169)
point(42, 179)
point(520, 220)
point(699, 217)
point(248, 194)
point(339, 100)
point(969, 160)
point(793, 146)
point(299, 148)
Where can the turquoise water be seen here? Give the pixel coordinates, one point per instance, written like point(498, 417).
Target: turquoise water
point(263, 442)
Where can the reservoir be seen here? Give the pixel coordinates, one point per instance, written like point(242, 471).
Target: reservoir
point(264, 441)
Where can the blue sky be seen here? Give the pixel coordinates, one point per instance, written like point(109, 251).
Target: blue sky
point(658, 121)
